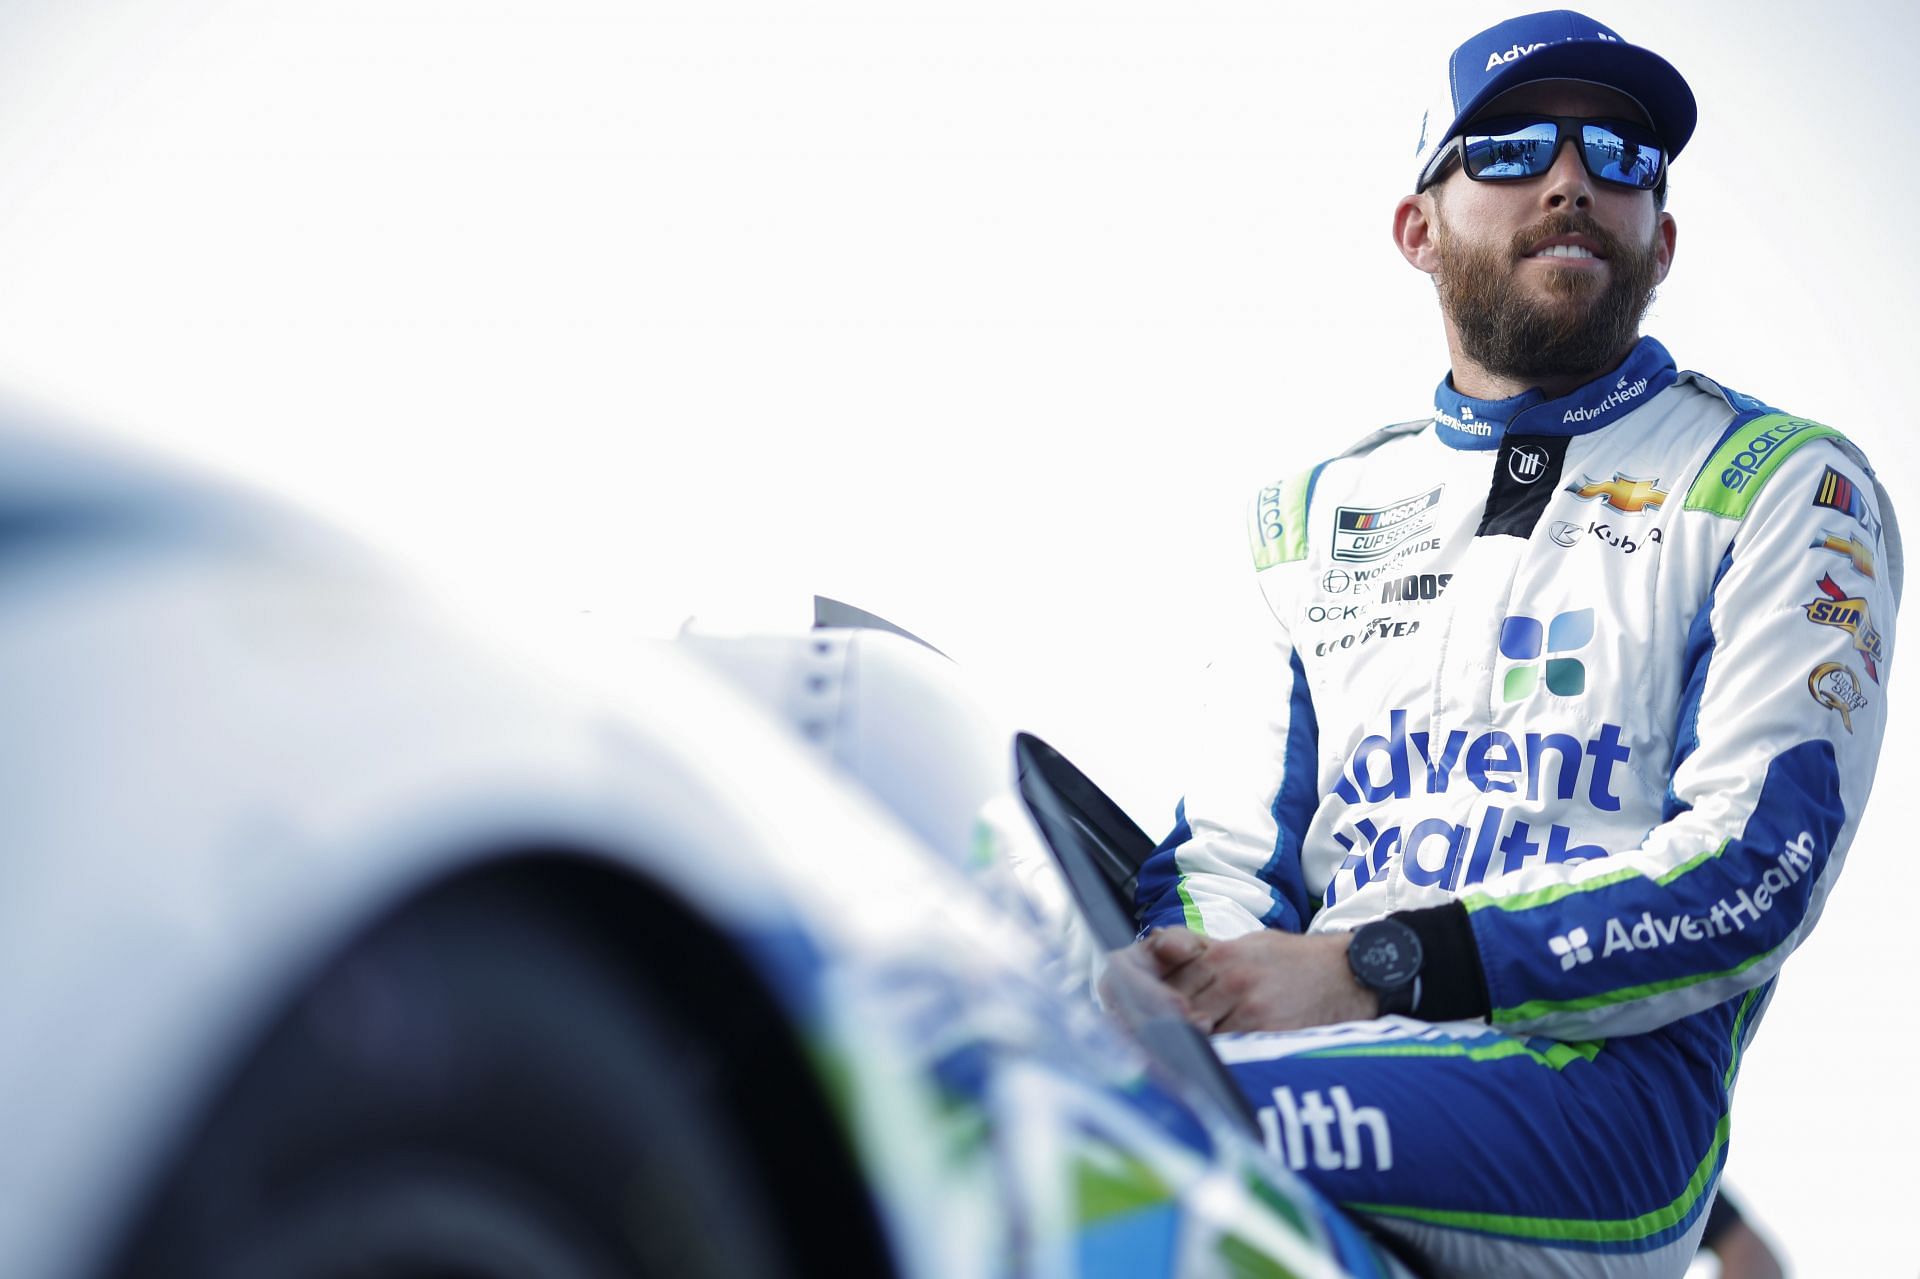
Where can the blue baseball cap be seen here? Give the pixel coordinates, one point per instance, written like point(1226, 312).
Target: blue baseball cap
point(1556, 45)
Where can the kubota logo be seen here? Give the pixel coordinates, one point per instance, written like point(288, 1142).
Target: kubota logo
point(1622, 492)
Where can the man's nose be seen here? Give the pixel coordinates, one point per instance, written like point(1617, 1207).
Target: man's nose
point(1568, 182)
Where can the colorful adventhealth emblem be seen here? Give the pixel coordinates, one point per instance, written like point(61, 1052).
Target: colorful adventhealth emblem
point(1622, 492)
point(1853, 548)
point(1524, 640)
point(1849, 613)
point(1836, 492)
point(1838, 689)
point(1362, 533)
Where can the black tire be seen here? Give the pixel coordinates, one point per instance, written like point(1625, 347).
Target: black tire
point(476, 1090)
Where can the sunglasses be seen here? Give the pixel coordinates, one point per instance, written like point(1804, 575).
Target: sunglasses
point(1516, 147)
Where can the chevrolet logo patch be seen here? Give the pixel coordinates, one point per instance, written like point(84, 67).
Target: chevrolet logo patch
point(1621, 492)
point(1859, 552)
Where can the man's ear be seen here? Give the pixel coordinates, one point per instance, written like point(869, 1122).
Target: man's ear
point(1664, 234)
point(1415, 223)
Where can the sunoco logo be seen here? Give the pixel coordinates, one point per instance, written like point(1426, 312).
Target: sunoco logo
point(1362, 533)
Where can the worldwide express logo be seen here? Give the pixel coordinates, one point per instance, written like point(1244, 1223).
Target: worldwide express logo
point(1546, 649)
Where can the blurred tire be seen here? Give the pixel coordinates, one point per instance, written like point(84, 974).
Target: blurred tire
point(475, 1091)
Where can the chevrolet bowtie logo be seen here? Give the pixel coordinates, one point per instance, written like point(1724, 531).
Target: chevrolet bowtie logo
point(1860, 553)
point(1620, 492)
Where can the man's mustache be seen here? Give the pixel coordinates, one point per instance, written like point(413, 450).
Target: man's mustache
point(1566, 224)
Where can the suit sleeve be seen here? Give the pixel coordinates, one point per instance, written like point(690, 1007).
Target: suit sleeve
point(1777, 736)
point(1231, 864)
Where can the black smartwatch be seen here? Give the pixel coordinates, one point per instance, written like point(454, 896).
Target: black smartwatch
point(1385, 955)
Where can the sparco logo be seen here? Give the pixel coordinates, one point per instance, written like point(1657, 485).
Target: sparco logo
point(1622, 392)
point(1271, 525)
point(1746, 463)
point(1728, 915)
point(1336, 1130)
point(1415, 586)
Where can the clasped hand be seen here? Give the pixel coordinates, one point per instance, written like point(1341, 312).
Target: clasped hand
point(1268, 980)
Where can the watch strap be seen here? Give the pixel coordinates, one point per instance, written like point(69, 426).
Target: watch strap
point(1452, 985)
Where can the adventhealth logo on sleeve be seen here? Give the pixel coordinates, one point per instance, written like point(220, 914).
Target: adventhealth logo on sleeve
point(1573, 948)
point(1747, 904)
point(1526, 641)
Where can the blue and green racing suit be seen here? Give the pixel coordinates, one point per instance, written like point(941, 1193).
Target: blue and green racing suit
point(1589, 691)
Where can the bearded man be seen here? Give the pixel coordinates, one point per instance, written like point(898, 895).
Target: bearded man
point(1563, 711)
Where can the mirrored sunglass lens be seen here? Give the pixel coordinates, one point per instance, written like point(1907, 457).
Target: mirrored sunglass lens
point(1618, 156)
point(1519, 152)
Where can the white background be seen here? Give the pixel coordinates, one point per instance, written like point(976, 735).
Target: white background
point(986, 315)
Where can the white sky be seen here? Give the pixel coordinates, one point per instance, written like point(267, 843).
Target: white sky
point(986, 315)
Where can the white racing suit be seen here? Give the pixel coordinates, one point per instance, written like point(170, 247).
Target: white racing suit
point(1588, 691)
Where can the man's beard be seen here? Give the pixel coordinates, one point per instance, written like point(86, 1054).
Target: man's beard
point(1583, 327)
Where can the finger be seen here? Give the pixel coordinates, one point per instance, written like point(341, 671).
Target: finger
point(1213, 1009)
point(1174, 948)
point(1190, 978)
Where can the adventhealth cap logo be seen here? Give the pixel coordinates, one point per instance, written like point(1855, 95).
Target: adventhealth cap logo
point(1525, 640)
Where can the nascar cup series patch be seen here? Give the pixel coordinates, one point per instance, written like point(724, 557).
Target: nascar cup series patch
point(1363, 533)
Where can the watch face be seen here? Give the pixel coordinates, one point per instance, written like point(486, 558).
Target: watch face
point(1386, 954)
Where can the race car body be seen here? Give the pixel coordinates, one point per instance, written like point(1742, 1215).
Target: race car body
point(341, 937)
